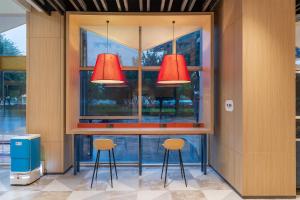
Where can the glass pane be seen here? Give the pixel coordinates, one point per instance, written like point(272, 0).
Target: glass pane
point(190, 46)
point(298, 163)
point(12, 90)
point(94, 44)
point(13, 42)
point(126, 150)
point(297, 62)
point(298, 128)
point(106, 100)
point(13, 103)
point(154, 56)
point(181, 103)
point(153, 151)
point(298, 94)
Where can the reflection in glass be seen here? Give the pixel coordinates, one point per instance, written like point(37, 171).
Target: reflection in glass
point(102, 100)
point(154, 56)
point(190, 46)
point(298, 128)
point(94, 44)
point(13, 42)
point(125, 151)
point(174, 103)
point(297, 54)
point(297, 94)
point(298, 163)
point(153, 151)
point(12, 102)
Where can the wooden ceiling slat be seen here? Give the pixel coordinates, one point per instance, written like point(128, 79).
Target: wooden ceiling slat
point(74, 5)
point(82, 4)
point(104, 5)
point(54, 6)
point(183, 5)
point(148, 5)
point(141, 5)
point(170, 5)
point(97, 5)
point(125, 5)
point(206, 5)
point(162, 5)
point(119, 5)
point(191, 5)
point(62, 6)
point(39, 6)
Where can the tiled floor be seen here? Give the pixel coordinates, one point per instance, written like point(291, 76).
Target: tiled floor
point(129, 186)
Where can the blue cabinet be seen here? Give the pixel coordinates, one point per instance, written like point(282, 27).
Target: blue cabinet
point(25, 153)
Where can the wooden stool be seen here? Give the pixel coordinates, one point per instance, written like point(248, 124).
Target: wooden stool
point(104, 145)
point(173, 145)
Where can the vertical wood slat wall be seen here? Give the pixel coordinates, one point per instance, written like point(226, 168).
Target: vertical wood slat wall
point(253, 147)
point(45, 88)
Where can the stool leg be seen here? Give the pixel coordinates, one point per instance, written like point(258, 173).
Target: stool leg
point(95, 168)
point(110, 169)
point(97, 164)
point(166, 173)
point(180, 157)
point(180, 165)
point(113, 153)
point(162, 169)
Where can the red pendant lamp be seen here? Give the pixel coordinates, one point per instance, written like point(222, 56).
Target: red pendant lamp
point(107, 68)
point(173, 69)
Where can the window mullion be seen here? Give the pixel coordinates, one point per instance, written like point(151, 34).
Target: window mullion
point(140, 76)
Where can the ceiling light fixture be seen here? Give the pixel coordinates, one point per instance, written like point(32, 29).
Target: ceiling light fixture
point(173, 69)
point(107, 69)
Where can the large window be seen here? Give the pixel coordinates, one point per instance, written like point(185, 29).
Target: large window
point(141, 99)
point(12, 88)
point(159, 103)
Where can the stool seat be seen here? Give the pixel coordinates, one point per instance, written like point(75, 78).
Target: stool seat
point(173, 144)
point(104, 144)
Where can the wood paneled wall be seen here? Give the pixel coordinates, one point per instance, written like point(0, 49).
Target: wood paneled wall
point(254, 146)
point(45, 113)
point(227, 142)
point(269, 97)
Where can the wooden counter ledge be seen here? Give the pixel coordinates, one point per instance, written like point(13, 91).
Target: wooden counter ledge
point(140, 131)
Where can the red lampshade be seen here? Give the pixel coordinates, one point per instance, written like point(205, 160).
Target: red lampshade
point(173, 70)
point(108, 70)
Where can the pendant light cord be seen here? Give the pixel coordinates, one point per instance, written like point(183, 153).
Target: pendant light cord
point(107, 36)
point(175, 49)
point(106, 50)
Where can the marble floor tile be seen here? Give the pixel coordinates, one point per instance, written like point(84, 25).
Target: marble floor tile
point(154, 195)
point(128, 186)
point(83, 195)
point(114, 196)
point(52, 196)
point(56, 186)
point(19, 195)
point(187, 195)
point(232, 196)
point(216, 194)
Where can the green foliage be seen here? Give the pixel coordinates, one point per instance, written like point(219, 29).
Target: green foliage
point(8, 47)
point(151, 58)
